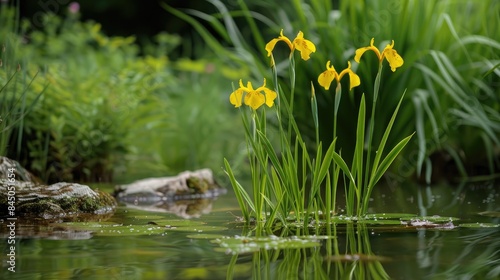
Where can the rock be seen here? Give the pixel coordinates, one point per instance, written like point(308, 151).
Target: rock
point(188, 195)
point(21, 174)
point(26, 197)
point(187, 185)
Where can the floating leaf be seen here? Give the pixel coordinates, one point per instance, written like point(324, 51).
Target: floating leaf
point(380, 222)
point(239, 244)
point(130, 230)
point(433, 219)
point(87, 225)
point(113, 229)
point(479, 225)
point(178, 223)
point(385, 216)
point(197, 228)
point(148, 217)
point(206, 236)
point(493, 214)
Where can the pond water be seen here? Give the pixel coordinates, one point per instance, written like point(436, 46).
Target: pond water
point(194, 248)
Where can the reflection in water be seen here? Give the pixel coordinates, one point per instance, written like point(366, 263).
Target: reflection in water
point(344, 251)
point(351, 258)
point(474, 254)
point(485, 265)
point(187, 209)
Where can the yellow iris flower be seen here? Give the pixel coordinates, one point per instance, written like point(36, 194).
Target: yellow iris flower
point(253, 97)
point(305, 46)
point(392, 56)
point(327, 77)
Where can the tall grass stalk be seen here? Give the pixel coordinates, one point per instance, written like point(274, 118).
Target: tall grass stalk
point(15, 83)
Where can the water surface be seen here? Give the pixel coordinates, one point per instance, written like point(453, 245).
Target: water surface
point(189, 252)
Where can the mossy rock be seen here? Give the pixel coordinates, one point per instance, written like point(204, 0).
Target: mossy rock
point(60, 200)
point(12, 169)
point(21, 195)
point(196, 184)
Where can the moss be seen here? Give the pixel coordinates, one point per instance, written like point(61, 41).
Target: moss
point(87, 204)
point(197, 185)
point(42, 207)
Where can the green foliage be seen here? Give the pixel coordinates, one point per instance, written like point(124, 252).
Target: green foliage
point(202, 127)
point(450, 72)
point(14, 85)
point(449, 48)
point(99, 94)
point(106, 110)
point(286, 177)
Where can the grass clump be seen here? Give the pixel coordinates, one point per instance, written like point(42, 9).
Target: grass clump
point(287, 177)
point(450, 74)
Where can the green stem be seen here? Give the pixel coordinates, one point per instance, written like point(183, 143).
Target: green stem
point(369, 143)
point(332, 198)
point(292, 94)
point(255, 172)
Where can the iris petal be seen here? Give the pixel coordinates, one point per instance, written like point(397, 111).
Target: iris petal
point(354, 80)
point(326, 78)
point(235, 97)
point(270, 46)
point(254, 99)
point(361, 51)
point(270, 96)
point(305, 47)
point(394, 59)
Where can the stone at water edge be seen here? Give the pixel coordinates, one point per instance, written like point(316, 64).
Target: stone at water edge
point(60, 200)
point(188, 195)
point(186, 185)
point(20, 174)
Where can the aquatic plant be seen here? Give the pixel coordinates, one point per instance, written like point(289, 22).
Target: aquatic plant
point(286, 177)
point(451, 55)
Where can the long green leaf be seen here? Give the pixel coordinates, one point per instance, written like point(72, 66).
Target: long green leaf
point(341, 163)
point(388, 160)
point(240, 192)
point(271, 153)
point(360, 141)
point(381, 146)
point(208, 38)
point(325, 164)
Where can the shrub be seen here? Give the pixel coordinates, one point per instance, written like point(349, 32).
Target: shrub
point(99, 93)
